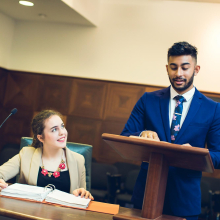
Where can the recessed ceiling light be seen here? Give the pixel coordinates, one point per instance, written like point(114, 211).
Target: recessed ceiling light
point(26, 3)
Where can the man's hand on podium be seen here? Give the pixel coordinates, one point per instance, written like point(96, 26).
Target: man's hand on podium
point(150, 135)
point(187, 145)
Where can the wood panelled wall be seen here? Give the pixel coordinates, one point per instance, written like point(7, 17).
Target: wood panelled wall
point(91, 107)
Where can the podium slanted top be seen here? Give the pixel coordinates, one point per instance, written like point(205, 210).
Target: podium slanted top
point(139, 149)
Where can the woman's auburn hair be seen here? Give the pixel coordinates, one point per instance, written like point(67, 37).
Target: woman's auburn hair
point(38, 125)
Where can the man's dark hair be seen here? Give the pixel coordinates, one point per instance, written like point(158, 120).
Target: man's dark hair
point(182, 48)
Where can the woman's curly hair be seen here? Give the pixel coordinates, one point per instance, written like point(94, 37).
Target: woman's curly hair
point(38, 125)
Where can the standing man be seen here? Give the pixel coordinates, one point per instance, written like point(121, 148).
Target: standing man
point(178, 114)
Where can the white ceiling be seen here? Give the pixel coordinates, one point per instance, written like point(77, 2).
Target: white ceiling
point(55, 11)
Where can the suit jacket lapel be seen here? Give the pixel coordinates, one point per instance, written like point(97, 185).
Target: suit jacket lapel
point(164, 109)
point(194, 107)
point(34, 169)
point(73, 170)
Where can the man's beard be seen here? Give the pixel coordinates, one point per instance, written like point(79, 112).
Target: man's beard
point(185, 87)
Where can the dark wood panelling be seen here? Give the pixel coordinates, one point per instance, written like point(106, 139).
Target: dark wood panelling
point(21, 91)
point(18, 126)
point(112, 127)
point(87, 98)
point(121, 100)
point(152, 89)
point(84, 130)
point(3, 80)
point(217, 99)
point(3, 114)
point(107, 153)
point(54, 93)
point(91, 107)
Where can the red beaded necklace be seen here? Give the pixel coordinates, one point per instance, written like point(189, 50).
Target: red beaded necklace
point(56, 174)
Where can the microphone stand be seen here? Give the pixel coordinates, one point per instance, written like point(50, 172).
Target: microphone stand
point(5, 120)
point(13, 111)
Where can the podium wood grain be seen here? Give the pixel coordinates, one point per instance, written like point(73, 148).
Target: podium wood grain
point(160, 156)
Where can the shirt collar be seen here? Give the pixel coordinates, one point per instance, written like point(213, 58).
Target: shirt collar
point(188, 95)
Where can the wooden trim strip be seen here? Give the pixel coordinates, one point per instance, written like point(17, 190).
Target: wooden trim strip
point(206, 93)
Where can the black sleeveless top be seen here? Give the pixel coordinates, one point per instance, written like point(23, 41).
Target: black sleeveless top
point(62, 182)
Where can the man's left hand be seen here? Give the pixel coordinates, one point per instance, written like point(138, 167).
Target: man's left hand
point(187, 145)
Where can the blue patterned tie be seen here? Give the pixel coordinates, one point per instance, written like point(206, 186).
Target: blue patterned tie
point(175, 126)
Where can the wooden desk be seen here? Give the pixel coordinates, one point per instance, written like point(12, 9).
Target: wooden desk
point(30, 210)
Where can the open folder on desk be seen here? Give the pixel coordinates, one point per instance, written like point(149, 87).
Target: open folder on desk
point(53, 197)
point(50, 194)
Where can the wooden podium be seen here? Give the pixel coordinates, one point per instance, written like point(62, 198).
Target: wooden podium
point(160, 156)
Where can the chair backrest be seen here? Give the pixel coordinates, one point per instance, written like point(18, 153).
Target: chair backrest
point(125, 168)
point(99, 175)
point(7, 152)
point(131, 180)
point(213, 183)
point(83, 149)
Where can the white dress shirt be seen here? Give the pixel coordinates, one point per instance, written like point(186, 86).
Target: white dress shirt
point(188, 96)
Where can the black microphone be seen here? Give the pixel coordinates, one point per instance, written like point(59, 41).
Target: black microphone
point(13, 111)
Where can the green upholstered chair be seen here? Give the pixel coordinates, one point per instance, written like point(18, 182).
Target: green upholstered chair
point(83, 149)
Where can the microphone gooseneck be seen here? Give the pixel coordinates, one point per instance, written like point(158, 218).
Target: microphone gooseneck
point(13, 111)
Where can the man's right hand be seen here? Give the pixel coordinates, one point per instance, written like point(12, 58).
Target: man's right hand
point(3, 184)
point(150, 135)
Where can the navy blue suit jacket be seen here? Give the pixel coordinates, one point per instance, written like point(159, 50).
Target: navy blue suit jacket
point(201, 126)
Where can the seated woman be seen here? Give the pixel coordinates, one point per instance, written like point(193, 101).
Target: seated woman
point(48, 160)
